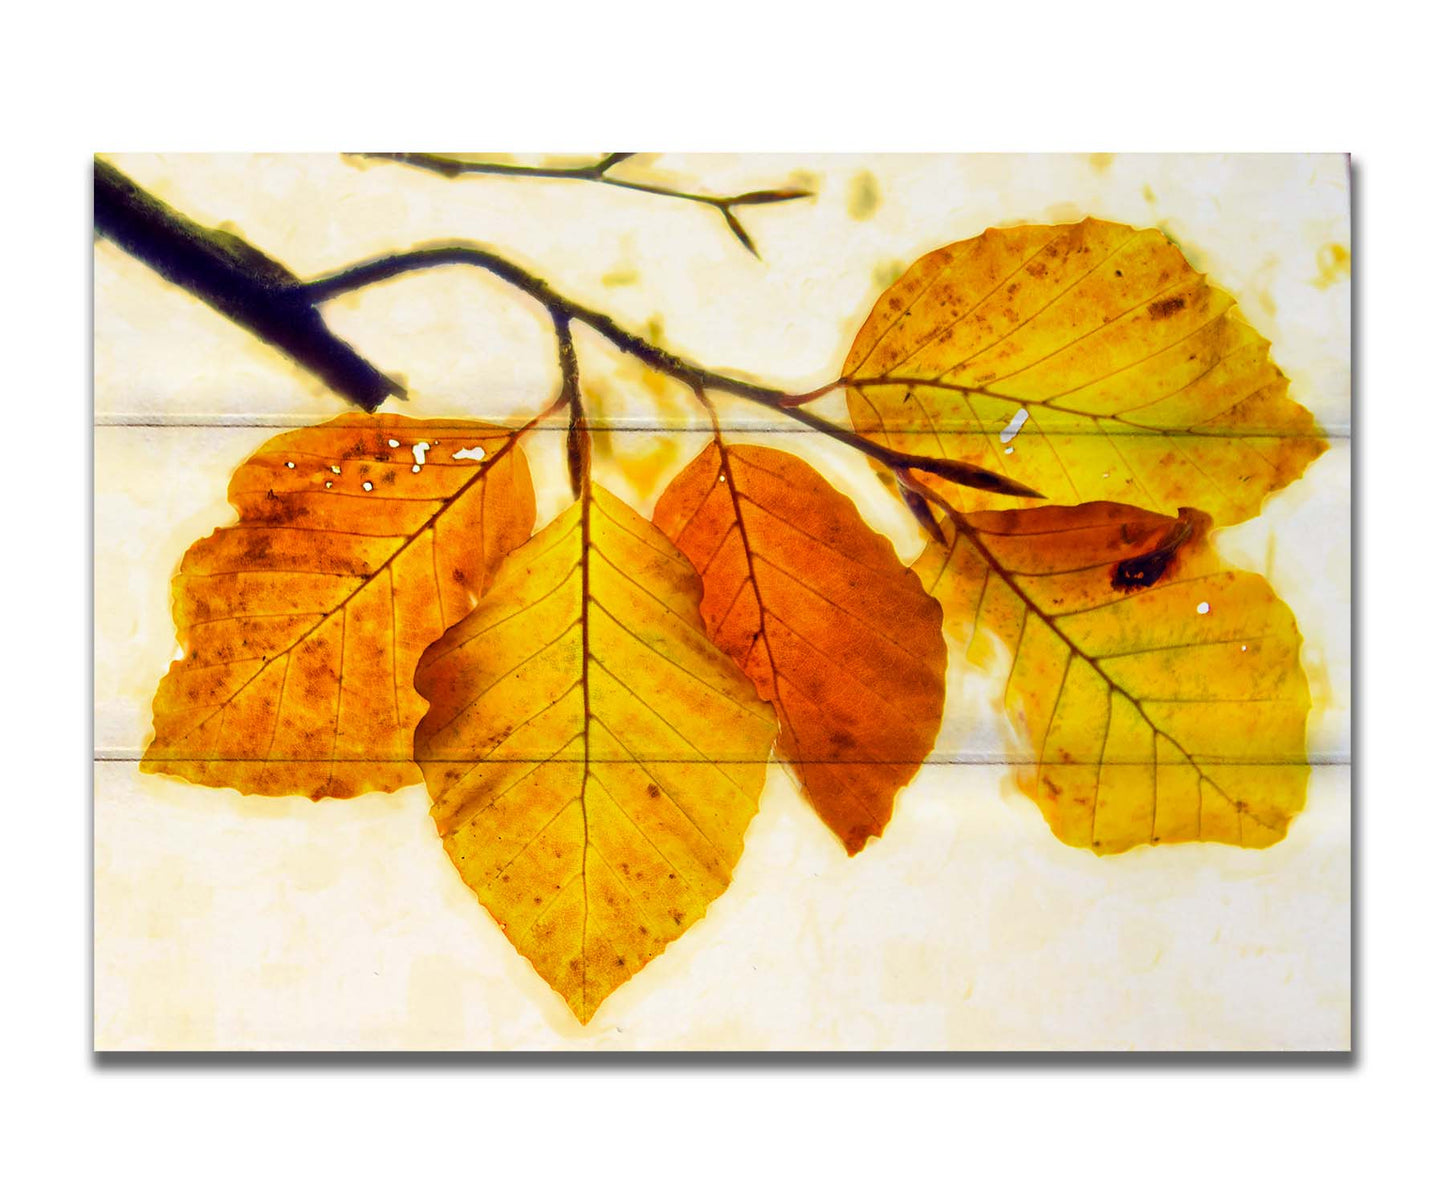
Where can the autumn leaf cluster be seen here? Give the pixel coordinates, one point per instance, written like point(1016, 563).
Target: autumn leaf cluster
point(592, 706)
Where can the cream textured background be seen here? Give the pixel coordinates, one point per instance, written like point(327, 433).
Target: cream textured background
point(230, 922)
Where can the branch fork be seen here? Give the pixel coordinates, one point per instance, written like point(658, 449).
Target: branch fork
point(453, 167)
point(266, 298)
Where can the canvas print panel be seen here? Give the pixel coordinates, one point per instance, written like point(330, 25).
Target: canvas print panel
point(722, 602)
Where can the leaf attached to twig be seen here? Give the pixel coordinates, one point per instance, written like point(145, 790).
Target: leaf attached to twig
point(1089, 360)
point(359, 542)
point(815, 607)
point(592, 759)
point(1157, 692)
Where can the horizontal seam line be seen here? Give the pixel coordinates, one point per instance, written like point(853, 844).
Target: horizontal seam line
point(303, 421)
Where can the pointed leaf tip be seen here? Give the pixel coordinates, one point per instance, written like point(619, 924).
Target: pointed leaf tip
point(593, 760)
point(815, 607)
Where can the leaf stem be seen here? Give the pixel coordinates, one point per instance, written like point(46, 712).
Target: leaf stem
point(579, 439)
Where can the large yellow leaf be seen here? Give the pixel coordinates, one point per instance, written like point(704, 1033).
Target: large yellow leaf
point(814, 606)
point(1141, 382)
point(593, 760)
point(359, 542)
point(1158, 692)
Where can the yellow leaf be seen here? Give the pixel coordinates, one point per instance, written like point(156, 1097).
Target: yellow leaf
point(359, 542)
point(1158, 692)
point(816, 609)
point(1089, 361)
point(592, 759)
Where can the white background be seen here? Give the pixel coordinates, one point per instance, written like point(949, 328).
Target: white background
point(1115, 77)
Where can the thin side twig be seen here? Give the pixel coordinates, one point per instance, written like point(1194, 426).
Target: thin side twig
point(453, 167)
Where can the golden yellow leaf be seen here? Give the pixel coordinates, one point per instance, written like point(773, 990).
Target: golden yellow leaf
point(1157, 692)
point(592, 759)
point(359, 542)
point(1134, 379)
point(814, 606)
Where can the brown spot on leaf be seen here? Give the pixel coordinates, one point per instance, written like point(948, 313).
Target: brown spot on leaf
point(1140, 572)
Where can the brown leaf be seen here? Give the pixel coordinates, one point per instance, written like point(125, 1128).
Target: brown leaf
point(815, 607)
point(1157, 691)
point(1134, 379)
point(301, 625)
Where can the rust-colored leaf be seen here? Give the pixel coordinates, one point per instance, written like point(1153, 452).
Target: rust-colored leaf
point(1158, 692)
point(815, 607)
point(1134, 379)
point(592, 759)
point(359, 542)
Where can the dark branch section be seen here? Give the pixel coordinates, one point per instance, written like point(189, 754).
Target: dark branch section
point(233, 277)
point(263, 296)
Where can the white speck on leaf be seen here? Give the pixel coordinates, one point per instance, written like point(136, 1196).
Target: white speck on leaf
point(392, 443)
point(1203, 608)
point(470, 453)
point(419, 450)
point(366, 485)
point(1015, 425)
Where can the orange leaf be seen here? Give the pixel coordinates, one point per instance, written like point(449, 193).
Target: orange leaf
point(359, 542)
point(815, 607)
point(1158, 692)
point(1089, 361)
point(593, 761)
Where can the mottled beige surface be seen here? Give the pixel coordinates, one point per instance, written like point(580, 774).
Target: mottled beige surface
point(230, 922)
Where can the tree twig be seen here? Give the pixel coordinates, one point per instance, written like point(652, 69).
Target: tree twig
point(596, 173)
point(232, 276)
point(266, 298)
point(694, 376)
